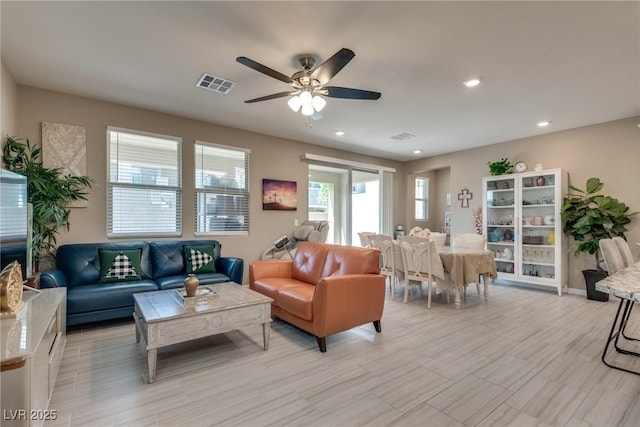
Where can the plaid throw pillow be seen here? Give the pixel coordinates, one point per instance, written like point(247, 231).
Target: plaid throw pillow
point(117, 266)
point(199, 259)
point(121, 267)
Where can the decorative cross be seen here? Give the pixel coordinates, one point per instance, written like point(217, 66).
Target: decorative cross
point(464, 196)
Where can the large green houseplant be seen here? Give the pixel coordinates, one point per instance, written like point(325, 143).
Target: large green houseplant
point(588, 217)
point(49, 191)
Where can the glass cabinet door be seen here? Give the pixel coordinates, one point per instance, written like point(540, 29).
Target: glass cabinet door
point(539, 225)
point(499, 215)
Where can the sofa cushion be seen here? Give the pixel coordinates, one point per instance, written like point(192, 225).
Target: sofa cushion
point(177, 281)
point(297, 300)
point(167, 256)
point(271, 286)
point(199, 259)
point(102, 296)
point(116, 266)
point(308, 261)
point(343, 260)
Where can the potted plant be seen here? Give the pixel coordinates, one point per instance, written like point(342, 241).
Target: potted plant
point(500, 167)
point(48, 190)
point(589, 217)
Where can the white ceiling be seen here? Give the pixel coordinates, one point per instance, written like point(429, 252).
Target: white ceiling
point(574, 63)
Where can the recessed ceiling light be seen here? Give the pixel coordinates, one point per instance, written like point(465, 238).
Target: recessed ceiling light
point(339, 132)
point(473, 82)
point(417, 151)
point(544, 123)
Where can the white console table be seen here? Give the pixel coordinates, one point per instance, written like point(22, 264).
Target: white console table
point(31, 348)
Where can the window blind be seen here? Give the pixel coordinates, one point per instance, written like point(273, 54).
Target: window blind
point(144, 184)
point(422, 198)
point(13, 208)
point(222, 189)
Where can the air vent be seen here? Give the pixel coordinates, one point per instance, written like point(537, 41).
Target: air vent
point(216, 84)
point(403, 136)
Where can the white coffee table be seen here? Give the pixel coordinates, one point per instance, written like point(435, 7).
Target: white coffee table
point(162, 320)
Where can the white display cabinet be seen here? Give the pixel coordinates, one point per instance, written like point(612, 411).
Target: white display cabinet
point(521, 220)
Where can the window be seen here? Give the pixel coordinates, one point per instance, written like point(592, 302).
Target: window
point(422, 198)
point(144, 184)
point(13, 208)
point(222, 189)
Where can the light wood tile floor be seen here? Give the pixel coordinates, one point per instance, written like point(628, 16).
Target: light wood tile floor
point(524, 358)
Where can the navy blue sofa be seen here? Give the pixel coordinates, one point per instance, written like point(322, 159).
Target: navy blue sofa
point(163, 266)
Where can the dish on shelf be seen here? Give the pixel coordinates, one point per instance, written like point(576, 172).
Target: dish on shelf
point(532, 240)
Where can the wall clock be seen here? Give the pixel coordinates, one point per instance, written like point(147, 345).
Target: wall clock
point(520, 167)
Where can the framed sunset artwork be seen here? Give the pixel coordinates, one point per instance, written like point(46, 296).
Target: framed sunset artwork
point(279, 195)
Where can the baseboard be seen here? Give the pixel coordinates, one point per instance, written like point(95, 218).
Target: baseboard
point(575, 291)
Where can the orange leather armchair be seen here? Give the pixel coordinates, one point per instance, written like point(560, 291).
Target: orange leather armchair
point(325, 289)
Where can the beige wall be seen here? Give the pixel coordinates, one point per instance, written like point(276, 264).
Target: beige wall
point(270, 158)
point(442, 187)
point(9, 103)
point(609, 151)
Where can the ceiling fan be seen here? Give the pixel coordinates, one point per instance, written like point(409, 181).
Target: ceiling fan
point(309, 84)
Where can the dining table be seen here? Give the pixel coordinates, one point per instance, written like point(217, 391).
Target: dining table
point(466, 266)
point(625, 285)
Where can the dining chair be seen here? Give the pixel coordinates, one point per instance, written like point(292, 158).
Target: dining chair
point(625, 250)
point(614, 261)
point(364, 238)
point(440, 239)
point(387, 265)
point(469, 241)
point(421, 264)
point(611, 255)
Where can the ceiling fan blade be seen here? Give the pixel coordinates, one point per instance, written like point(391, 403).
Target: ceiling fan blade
point(349, 93)
point(263, 69)
point(332, 66)
point(268, 97)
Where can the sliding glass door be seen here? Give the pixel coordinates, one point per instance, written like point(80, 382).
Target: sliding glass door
point(351, 199)
point(365, 203)
point(328, 190)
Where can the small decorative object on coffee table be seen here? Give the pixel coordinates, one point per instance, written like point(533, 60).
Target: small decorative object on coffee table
point(11, 285)
point(203, 295)
point(191, 284)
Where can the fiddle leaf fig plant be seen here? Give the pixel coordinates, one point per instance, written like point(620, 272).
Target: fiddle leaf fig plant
point(49, 191)
point(500, 167)
point(589, 217)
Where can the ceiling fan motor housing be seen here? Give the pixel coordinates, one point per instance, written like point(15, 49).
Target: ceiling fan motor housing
point(307, 62)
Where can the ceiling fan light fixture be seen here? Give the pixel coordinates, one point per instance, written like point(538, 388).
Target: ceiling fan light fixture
point(318, 103)
point(305, 98)
point(294, 103)
point(307, 109)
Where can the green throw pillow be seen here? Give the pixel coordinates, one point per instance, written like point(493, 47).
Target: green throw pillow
point(118, 266)
point(199, 259)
